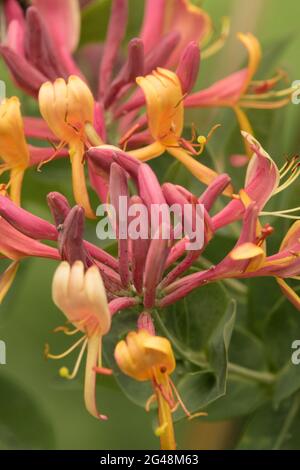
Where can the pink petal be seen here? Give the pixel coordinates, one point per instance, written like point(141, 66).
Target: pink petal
point(115, 34)
point(25, 222)
point(16, 245)
point(63, 21)
point(163, 16)
point(224, 92)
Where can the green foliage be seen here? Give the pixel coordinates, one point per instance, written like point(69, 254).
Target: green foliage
point(34, 431)
point(232, 345)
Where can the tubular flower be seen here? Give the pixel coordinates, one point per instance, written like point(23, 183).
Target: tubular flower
point(81, 297)
point(263, 181)
point(13, 147)
point(239, 91)
point(165, 112)
point(38, 44)
point(164, 16)
point(249, 259)
point(68, 109)
point(14, 246)
point(143, 356)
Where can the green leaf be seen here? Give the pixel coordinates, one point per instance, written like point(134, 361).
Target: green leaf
point(200, 329)
point(277, 323)
point(242, 397)
point(95, 20)
point(275, 429)
point(201, 388)
point(23, 425)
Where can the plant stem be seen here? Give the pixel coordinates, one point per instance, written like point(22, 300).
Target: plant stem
point(287, 423)
point(258, 376)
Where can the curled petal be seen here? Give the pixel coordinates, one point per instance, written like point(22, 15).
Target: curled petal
point(93, 361)
point(262, 180)
point(228, 91)
point(292, 237)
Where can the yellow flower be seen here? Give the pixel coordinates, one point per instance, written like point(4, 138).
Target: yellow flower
point(68, 108)
point(165, 111)
point(13, 147)
point(82, 298)
point(144, 356)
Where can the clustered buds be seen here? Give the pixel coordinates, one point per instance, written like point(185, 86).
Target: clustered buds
point(125, 112)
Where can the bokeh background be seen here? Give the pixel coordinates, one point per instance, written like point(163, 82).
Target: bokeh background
point(37, 408)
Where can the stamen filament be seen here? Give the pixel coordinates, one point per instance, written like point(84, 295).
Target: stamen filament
point(77, 364)
point(64, 354)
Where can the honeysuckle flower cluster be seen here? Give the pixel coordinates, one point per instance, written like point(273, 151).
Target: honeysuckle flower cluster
point(135, 113)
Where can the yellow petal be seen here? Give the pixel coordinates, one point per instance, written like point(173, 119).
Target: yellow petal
point(289, 293)
point(7, 278)
point(78, 179)
point(292, 236)
point(254, 50)
point(165, 109)
point(203, 173)
point(246, 251)
point(93, 360)
point(13, 146)
point(149, 152)
point(16, 180)
point(245, 126)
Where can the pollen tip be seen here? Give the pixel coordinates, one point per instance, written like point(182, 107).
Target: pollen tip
point(201, 140)
point(160, 429)
point(64, 372)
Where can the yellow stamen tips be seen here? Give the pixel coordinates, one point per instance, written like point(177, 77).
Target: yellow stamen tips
point(68, 109)
point(201, 140)
point(160, 430)
point(64, 372)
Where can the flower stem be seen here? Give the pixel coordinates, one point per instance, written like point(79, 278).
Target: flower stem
point(258, 376)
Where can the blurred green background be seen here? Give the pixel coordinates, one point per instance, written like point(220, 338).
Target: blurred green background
point(37, 408)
